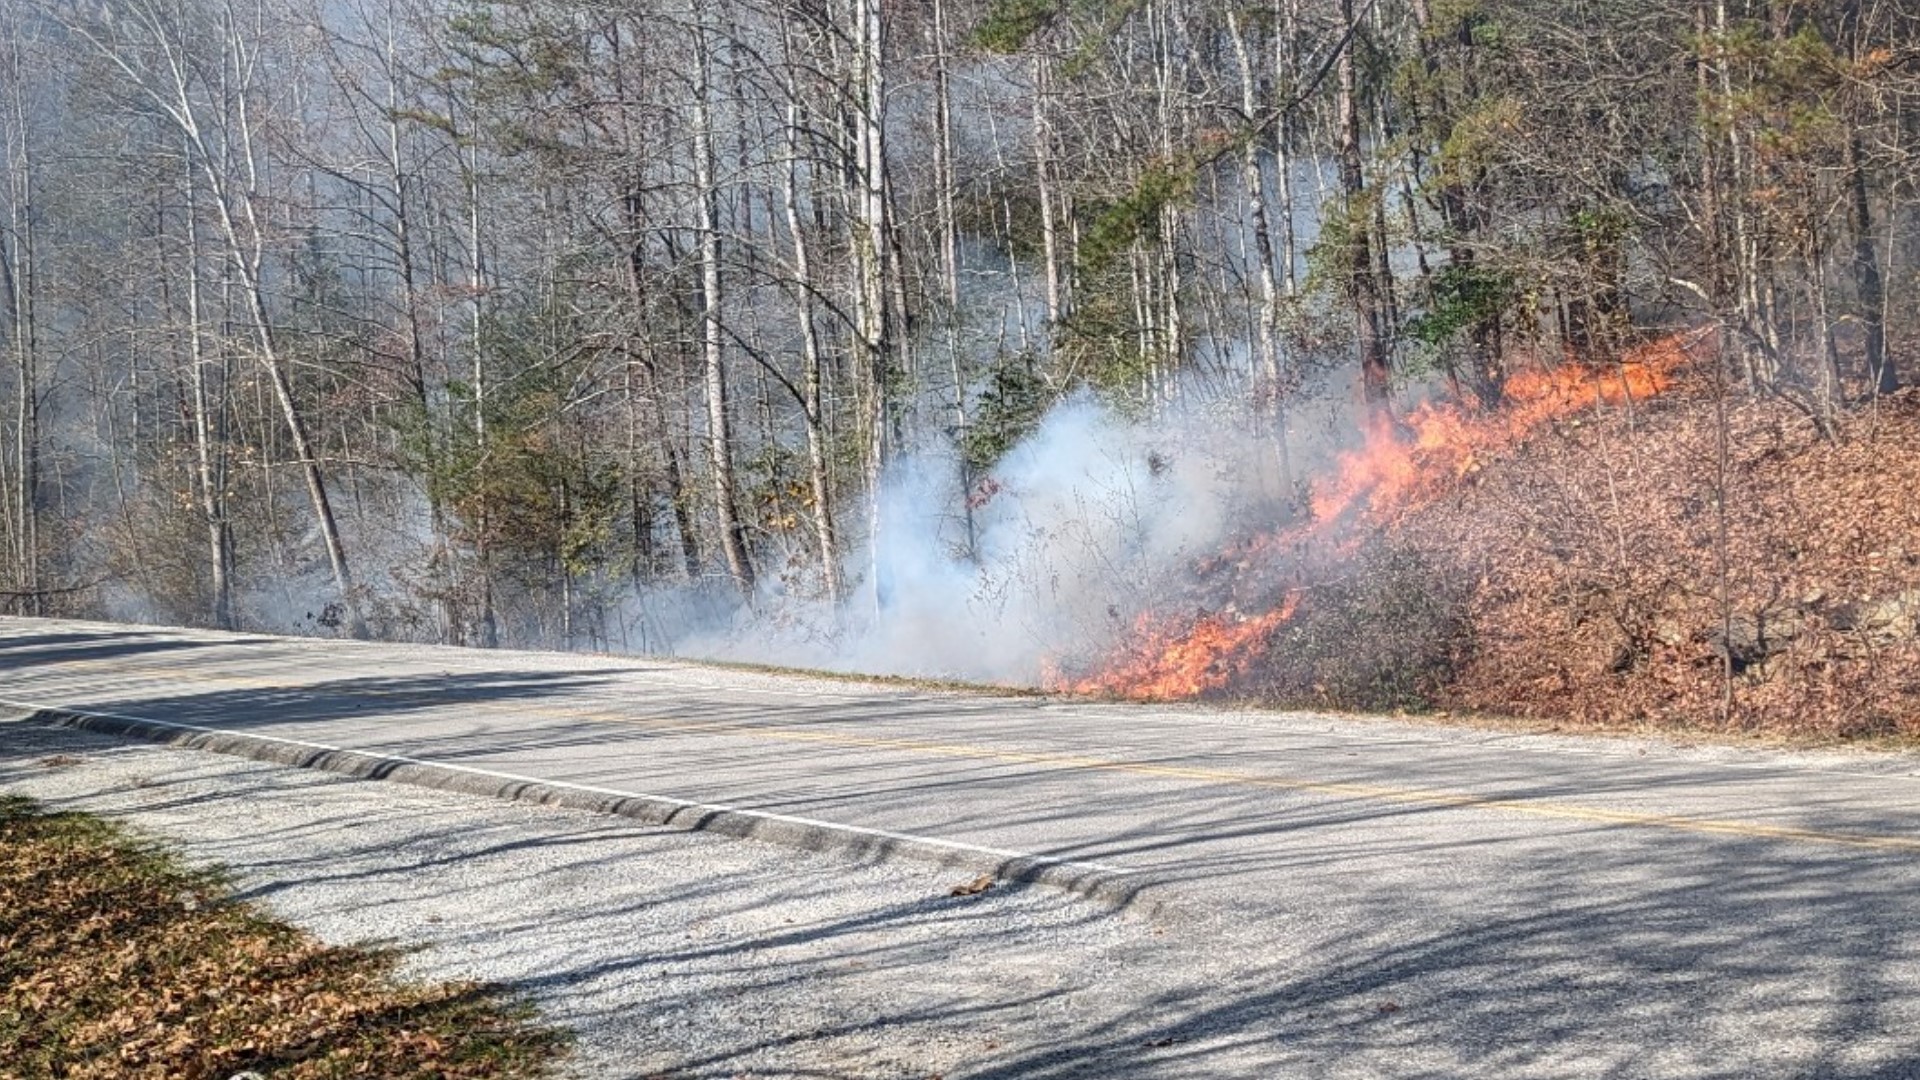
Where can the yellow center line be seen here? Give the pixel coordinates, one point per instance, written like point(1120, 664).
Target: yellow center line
point(1409, 796)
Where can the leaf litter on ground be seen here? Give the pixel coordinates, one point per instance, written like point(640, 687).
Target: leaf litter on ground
point(116, 960)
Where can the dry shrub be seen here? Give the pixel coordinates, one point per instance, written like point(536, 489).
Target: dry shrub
point(1385, 632)
point(1627, 563)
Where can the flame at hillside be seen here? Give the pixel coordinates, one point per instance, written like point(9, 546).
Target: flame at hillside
point(1399, 469)
point(1442, 443)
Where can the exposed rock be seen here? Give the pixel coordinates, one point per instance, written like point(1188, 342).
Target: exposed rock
point(1749, 639)
point(1893, 618)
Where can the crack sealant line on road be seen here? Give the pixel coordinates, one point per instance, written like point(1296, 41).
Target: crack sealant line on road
point(1098, 881)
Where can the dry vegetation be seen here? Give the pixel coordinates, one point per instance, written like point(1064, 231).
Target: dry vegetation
point(1655, 566)
point(117, 962)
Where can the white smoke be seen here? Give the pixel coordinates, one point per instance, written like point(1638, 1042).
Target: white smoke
point(1090, 519)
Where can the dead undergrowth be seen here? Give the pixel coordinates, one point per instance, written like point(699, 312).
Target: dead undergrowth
point(116, 961)
point(1641, 568)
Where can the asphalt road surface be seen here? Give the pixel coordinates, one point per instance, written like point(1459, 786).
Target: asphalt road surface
point(1364, 898)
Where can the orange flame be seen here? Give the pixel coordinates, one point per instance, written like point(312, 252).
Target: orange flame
point(1172, 658)
point(1446, 443)
point(1432, 449)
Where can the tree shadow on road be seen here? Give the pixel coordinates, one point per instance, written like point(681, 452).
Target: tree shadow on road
point(1307, 934)
point(28, 650)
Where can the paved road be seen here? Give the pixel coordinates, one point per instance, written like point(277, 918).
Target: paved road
point(1363, 898)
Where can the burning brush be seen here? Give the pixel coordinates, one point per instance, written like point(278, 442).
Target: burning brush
point(1171, 657)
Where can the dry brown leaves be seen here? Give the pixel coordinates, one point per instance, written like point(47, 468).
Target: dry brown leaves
point(116, 962)
point(1625, 562)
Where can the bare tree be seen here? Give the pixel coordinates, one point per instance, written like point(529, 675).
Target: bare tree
point(214, 101)
point(733, 540)
point(19, 273)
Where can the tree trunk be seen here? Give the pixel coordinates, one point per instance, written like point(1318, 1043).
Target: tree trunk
point(1167, 271)
point(1362, 283)
point(171, 88)
point(733, 539)
point(209, 436)
point(872, 248)
point(1286, 61)
point(22, 273)
point(1043, 191)
point(819, 474)
point(1269, 387)
point(1869, 285)
point(476, 347)
point(944, 184)
point(416, 375)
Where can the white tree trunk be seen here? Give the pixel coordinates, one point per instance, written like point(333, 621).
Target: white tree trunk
point(712, 339)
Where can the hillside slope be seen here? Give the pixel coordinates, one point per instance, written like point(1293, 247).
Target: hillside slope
point(1614, 546)
point(1637, 567)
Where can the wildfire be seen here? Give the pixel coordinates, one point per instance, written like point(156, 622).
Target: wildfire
point(1430, 450)
point(1173, 658)
point(1443, 443)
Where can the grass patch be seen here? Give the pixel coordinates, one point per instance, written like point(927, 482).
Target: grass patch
point(118, 961)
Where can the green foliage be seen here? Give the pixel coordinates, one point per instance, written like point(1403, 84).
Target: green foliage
point(1112, 226)
point(1783, 87)
point(1478, 139)
point(1330, 258)
point(1463, 297)
point(1010, 406)
point(1468, 25)
point(774, 480)
point(534, 487)
point(1010, 24)
point(524, 66)
point(1600, 228)
point(1119, 380)
point(1099, 344)
point(1011, 216)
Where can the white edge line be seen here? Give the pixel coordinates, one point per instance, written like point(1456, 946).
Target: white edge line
point(765, 815)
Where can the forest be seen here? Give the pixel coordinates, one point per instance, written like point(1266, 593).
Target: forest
point(1532, 357)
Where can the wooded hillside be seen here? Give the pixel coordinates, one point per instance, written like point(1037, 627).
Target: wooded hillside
point(760, 328)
